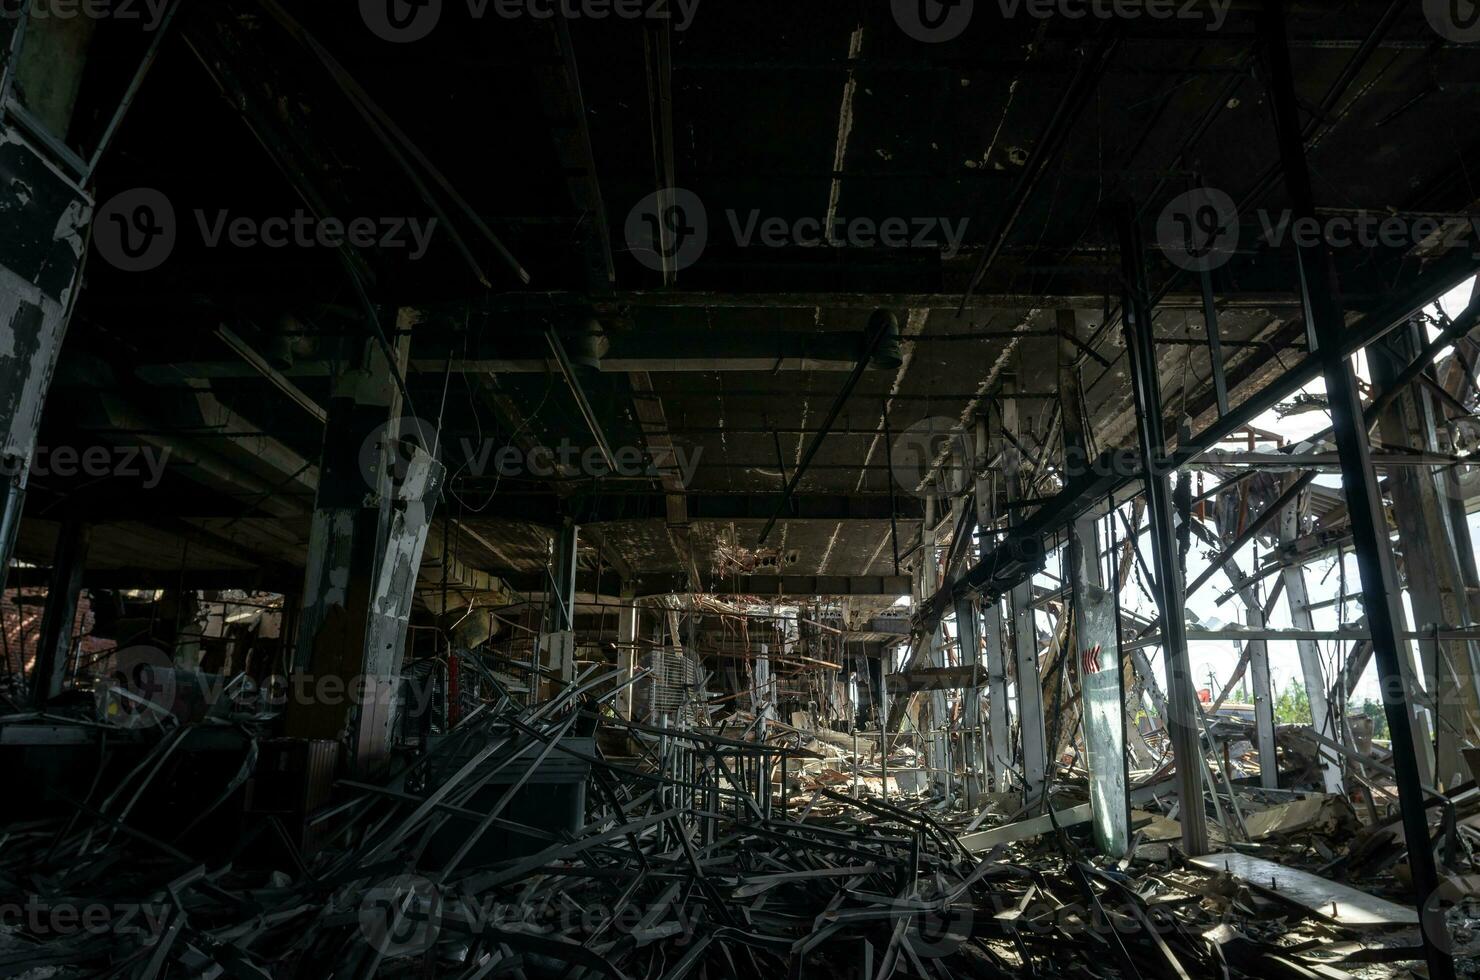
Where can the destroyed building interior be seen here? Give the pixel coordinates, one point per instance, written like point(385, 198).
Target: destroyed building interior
point(662, 489)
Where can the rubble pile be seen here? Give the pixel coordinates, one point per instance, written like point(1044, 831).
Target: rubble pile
point(693, 854)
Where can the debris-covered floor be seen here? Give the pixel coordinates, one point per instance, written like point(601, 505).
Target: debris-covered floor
point(558, 840)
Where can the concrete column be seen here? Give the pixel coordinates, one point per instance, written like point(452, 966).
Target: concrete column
point(377, 485)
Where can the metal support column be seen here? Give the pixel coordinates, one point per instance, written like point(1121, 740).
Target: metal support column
point(1269, 772)
point(627, 653)
point(1182, 717)
point(928, 574)
point(1032, 733)
point(1322, 720)
point(558, 640)
point(997, 751)
point(54, 650)
point(968, 638)
point(1326, 324)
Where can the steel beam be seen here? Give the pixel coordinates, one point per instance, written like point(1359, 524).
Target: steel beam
point(1323, 315)
point(1182, 719)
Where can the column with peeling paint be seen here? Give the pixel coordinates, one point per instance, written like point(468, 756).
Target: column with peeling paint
point(378, 483)
point(46, 217)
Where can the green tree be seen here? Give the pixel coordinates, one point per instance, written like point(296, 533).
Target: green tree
point(1292, 707)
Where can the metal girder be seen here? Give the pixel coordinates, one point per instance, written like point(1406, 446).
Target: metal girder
point(1181, 720)
point(1359, 481)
